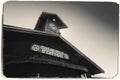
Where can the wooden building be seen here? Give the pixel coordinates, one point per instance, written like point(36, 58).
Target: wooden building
point(43, 52)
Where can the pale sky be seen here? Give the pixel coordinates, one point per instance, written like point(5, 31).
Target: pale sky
point(92, 27)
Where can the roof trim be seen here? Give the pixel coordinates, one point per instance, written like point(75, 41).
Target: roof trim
point(26, 30)
point(46, 61)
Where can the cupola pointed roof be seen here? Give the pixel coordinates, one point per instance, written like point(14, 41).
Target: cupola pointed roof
point(43, 18)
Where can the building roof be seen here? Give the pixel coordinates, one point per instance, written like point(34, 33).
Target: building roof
point(92, 67)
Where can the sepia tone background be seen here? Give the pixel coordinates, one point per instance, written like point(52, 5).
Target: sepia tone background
point(92, 27)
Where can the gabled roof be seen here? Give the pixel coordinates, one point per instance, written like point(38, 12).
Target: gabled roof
point(92, 67)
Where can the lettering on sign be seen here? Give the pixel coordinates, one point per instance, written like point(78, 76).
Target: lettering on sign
point(49, 51)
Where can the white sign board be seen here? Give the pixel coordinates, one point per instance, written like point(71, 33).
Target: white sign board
point(49, 51)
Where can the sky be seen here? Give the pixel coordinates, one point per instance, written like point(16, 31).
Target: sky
point(93, 27)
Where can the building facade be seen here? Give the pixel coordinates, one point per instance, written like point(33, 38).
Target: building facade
point(43, 52)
